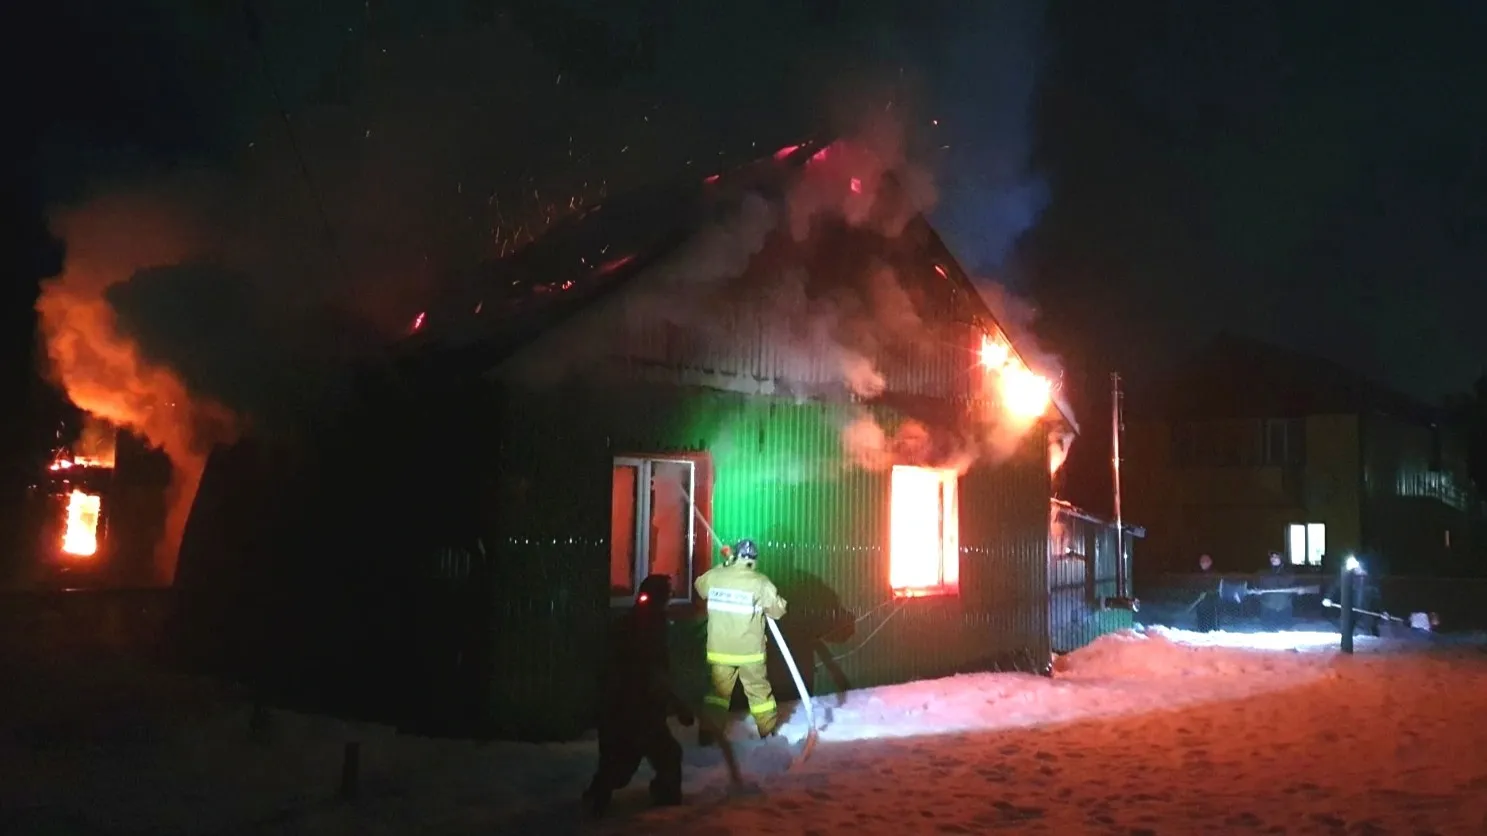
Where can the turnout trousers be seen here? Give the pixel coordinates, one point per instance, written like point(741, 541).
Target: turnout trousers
point(726, 675)
point(623, 743)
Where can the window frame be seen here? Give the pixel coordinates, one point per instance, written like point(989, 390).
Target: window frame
point(1307, 529)
point(1291, 449)
point(698, 499)
point(949, 485)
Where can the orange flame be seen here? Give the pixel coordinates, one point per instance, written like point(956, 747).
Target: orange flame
point(1058, 451)
point(96, 447)
point(1025, 394)
point(103, 371)
point(81, 536)
point(924, 532)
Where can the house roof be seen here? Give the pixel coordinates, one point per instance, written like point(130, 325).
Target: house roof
point(1239, 376)
point(488, 312)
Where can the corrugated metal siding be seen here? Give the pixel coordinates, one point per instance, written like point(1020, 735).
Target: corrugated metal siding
point(1084, 569)
point(747, 345)
point(779, 477)
point(549, 524)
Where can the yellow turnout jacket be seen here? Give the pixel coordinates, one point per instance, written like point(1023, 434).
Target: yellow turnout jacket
point(738, 599)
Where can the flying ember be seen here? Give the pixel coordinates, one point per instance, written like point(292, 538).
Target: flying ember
point(81, 536)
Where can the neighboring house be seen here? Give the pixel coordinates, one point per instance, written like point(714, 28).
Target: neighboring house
point(1251, 448)
point(446, 553)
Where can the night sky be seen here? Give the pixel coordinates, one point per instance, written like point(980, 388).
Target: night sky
point(1148, 173)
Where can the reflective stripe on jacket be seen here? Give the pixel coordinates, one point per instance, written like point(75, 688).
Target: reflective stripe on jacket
point(738, 599)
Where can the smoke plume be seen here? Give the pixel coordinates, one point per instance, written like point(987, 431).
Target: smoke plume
point(204, 301)
point(803, 268)
point(102, 369)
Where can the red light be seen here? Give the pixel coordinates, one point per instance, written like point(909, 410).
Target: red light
point(856, 186)
point(644, 597)
point(820, 156)
point(611, 266)
point(712, 179)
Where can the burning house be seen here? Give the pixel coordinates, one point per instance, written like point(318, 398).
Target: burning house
point(76, 481)
point(96, 512)
point(786, 352)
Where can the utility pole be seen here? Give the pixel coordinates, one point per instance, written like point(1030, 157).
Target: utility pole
point(1117, 425)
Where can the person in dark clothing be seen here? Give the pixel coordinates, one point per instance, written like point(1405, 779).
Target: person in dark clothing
point(1206, 608)
point(1365, 597)
point(636, 699)
point(1275, 609)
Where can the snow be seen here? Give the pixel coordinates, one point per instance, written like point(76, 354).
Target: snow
point(1146, 731)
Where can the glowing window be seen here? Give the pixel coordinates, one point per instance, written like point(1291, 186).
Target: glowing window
point(1306, 543)
point(924, 533)
point(653, 525)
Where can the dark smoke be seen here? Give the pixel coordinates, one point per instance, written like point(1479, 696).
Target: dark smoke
point(433, 136)
point(842, 310)
point(442, 133)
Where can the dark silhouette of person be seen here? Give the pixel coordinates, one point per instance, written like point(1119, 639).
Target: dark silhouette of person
point(637, 697)
point(1207, 606)
point(1365, 597)
point(1276, 608)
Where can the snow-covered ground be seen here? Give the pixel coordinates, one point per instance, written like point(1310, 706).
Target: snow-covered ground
point(1160, 731)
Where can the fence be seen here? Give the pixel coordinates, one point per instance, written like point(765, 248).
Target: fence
point(1084, 565)
point(1459, 602)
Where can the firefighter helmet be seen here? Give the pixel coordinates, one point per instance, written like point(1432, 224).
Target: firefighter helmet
point(746, 551)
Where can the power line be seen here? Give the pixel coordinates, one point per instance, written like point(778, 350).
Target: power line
point(255, 34)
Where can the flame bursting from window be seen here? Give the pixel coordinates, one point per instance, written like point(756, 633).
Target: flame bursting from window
point(1025, 394)
point(81, 536)
point(924, 532)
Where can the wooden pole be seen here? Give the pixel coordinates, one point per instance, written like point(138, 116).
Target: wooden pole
point(1116, 425)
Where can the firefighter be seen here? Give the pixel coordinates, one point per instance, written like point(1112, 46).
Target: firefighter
point(636, 699)
point(739, 598)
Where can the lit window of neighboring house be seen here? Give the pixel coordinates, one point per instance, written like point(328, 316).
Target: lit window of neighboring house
point(1306, 543)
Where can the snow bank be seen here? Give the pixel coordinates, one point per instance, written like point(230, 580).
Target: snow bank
point(1121, 665)
point(1159, 652)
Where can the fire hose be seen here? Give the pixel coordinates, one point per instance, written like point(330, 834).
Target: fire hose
point(1236, 591)
point(774, 629)
point(1328, 602)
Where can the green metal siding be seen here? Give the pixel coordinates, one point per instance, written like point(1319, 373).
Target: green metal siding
point(780, 477)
